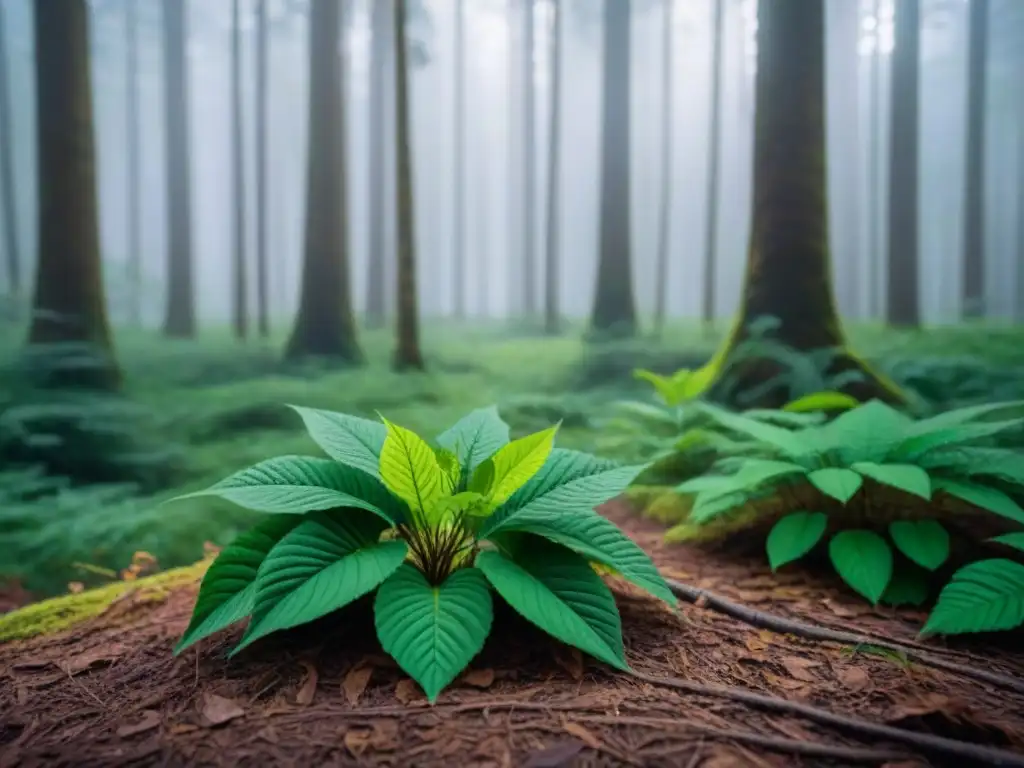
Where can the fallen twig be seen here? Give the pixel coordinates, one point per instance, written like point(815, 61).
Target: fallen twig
point(782, 625)
point(935, 745)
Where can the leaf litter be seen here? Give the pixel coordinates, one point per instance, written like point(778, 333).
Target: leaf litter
point(526, 700)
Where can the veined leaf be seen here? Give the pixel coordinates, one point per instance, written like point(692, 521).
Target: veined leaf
point(449, 464)
point(925, 542)
point(973, 413)
point(794, 536)
point(475, 437)
point(295, 485)
point(703, 483)
point(409, 468)
point(445, 508)
point(822, 401)
point(350, 440)
point(561, 594)
point(755, 472)
point(921, 443)
point(838, 482)
point(664, 385)
point(909, 586)
point(1015, 540)
point(863, 560)
point(986, 596)
point(866, 433)
point(591, 535)
point(970, 460)
point(514, 464)
point(228, 589)
point(710, 504)
point(990, 499)
point(905, 477)
point(433, 632)
point(325, 563)
point(578, 480)
point(784, 440)
point(698, 381)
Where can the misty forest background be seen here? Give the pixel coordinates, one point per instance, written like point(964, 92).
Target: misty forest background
point(238, 200)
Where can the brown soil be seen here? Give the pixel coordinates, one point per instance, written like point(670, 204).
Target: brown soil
point(109, 693)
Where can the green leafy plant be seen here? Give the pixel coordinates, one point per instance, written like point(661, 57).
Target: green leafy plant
point(842, 466)
point(434, 529)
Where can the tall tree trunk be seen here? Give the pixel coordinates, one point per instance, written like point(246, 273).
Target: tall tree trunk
point(714, 150)
point(665, 211)
point(325, 325)
point(529, 161)
point(180, 317)
point(788, 273)
point(8, 210)
point(262, 87)
point(874, 163)
point(614, 311)
point(132, 161)
point(407, 351)
point(903, 303)
point(459, 166)
point(240, 280)
point(513, 239)
point(552, 259)
point(973, 288)
point(69, 303)
point(380, 52)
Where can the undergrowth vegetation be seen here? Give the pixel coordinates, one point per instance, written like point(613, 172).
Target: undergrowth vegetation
point(433, 529)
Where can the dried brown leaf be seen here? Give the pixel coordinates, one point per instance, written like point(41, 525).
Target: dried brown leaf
point(357, 740)
point(581, 733)
point(799, 669)
point(150, 720)
point(479, 678)
point(571, 660)
point(97, 657)
point(854, 678)
point(407, 690)
point(308, 690)
point(218, 710)
point(355, 683)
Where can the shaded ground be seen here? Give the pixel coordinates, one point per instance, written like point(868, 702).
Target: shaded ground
point(111, 694)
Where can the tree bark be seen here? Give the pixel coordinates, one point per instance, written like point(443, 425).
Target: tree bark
point(180, 317)
point(240, 280)
point(380, 52)
point(407, 352)
point(903, 303)
point(325, 325)
point(667, 124)
point(132, 162)
point(973, 288)
point(8, 209)
point(529, 164)
point(551, 251)
point(788, 274)
point(262, 88)
point(714, 150)
point(614, 310)
point(69, 303)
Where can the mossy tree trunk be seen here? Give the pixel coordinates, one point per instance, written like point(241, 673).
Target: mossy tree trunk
point(180, 316)
point(714, 150)
point(973, 287)
point(380, 57)
point(69, 303)
point(239, 278)
point(903, 303)
point(262, 87)
point(325, 325)
point(614, 310)
point(8, 209)
point(407, 353)
point(788, 274)
point(551, 246)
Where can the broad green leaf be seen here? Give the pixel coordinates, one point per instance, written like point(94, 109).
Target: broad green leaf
point(475, 437)
point(756, 472)
point(558, 591)
point(925, 542)
point(468, 502)
point(580, 480)
point(228, 589)
point(295, 485)
point(1015, 540)
point(990, 499)
point(514, 464)
point(433, 632)
point(790, 419)
point(592, 536)
point(350, 440)
point(697, 382)
point(822, 401)
point(838, 482)
point(906, 477)
point(785, 440)
point(866, 433)
point(409, 468)
point(970, 460)
point(703, 483)
point(794, 536)
point(916, 446)
point(986, 596)
point(710, 504)
point(863, 560)
point(327, 562)
point(449, 464)
point(954, 418)
point(664, 385)
point(909, 586)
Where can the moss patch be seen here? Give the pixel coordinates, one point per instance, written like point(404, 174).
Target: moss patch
point(60, 613)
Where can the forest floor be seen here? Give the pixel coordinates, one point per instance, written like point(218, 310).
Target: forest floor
point(709, 690)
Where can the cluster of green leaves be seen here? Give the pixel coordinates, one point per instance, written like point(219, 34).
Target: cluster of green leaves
point(434, 529)
point(945, 455)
